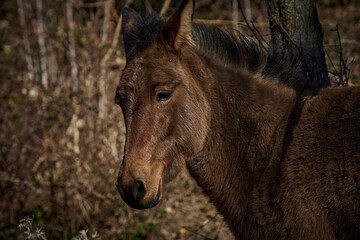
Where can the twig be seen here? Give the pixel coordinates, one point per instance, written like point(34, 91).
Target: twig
point(115, 38)
point(224, 22)
point(344, 72)
point(90, 5)
point(198, 234)
point(148, 6)
point(202, 3)
point(165, 7)
point(201, 227)
point(332, 64)
point(258, 32)
point(248, 25)
point(343, 41)
point(114, 42)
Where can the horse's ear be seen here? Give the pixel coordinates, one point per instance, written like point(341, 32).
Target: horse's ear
point(177, 30)
point(130, 22)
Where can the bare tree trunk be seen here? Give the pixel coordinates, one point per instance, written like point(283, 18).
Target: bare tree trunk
point(295, 27)
point(72, 47)
point(73, 129)
point(42, 46)
point(28, 52)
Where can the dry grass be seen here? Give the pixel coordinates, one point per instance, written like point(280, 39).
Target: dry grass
point(29, 232)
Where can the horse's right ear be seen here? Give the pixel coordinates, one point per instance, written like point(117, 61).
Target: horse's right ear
point(130, 22)
point(177, 30)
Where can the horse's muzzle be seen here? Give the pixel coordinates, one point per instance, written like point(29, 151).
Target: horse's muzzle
point(134, 195)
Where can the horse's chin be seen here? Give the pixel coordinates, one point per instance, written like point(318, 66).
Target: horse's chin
point(150, 203)
point(146, 205)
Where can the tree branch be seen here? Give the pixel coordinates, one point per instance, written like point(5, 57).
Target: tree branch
point(249, 27)
point(165, 7)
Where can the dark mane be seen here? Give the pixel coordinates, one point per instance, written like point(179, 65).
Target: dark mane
point(238, 51)
point(228, 48)
point(141, 34)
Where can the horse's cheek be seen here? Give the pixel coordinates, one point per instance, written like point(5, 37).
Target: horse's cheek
point(201, 120)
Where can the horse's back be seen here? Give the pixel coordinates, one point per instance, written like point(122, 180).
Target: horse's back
point(322, 164)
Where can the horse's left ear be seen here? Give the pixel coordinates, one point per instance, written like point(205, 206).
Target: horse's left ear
point(177, 30)
point(130, 24)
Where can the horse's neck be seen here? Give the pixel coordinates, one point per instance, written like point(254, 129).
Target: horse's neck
point(245, 140)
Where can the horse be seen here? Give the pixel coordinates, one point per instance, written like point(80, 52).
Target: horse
point(276, 163)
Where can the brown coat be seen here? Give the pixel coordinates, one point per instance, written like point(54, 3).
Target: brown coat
point(275, 164)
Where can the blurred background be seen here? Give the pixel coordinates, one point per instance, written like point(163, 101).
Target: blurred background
point(62, 136)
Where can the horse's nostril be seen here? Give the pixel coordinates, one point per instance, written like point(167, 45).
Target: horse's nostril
point(141, 187)
point(138, 190)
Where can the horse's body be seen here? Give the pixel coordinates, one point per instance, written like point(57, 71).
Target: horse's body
point(276, 165)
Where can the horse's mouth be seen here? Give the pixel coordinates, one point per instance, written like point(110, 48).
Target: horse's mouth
point(141, 203)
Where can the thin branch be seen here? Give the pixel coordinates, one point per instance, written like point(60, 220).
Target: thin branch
point(248, 25)
point(195, 232)
point(90, 5)
point(225, 22)
point(148, 6)
point(165, 7)
point(343, 41)
point(198, 234)
point(332, 73)
point(202, 3)
point(114, 42)
point(258, 32)
point(331, 62)
point(343, 68)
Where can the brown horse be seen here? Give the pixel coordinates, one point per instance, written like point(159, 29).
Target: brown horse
point(276, 165)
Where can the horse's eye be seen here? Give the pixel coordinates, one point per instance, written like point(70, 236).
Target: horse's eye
point(163, 96)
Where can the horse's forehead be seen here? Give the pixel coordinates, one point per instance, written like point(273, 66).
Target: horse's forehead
point(146, 64)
